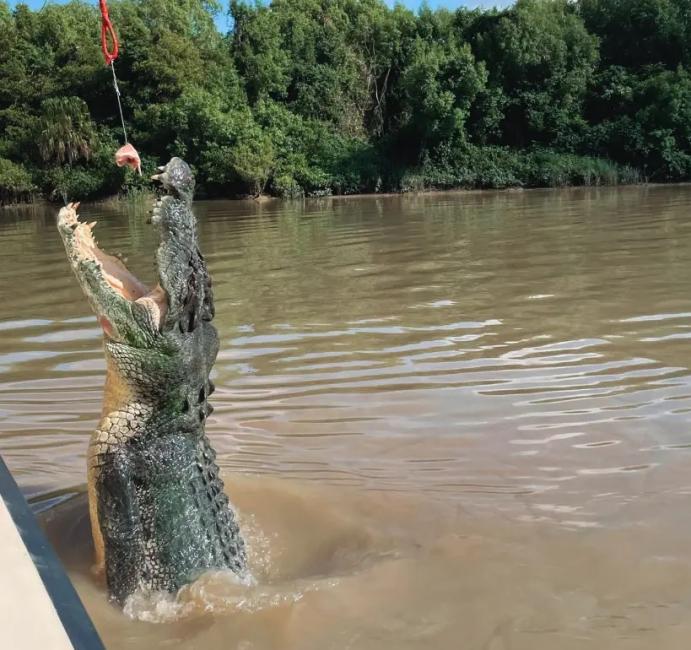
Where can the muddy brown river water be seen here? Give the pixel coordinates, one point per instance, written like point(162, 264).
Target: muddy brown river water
point(457, 421)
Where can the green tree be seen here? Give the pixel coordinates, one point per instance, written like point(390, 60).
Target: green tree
point(635, 33)
point(645, 121)
point(542, 59)
point(66, 133)
point(312, 97)
point(254, 160)
point(15, 182)
point(438, 86)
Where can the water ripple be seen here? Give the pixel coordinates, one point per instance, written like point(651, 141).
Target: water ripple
point(488, 350)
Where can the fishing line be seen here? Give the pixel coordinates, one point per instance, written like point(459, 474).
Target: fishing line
point(117, 95)
point(110, 46)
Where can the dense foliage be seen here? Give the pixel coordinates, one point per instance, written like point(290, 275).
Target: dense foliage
point(313, 97)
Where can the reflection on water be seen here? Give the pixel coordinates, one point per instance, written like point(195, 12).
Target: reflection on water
point(447, 419)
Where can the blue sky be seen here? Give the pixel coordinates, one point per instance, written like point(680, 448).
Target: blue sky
point(412, 4)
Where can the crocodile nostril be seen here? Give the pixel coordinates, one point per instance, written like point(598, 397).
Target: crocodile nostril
point(202, 395)
point(185, 406)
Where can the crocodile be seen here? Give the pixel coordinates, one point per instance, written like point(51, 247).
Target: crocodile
point(160, 516)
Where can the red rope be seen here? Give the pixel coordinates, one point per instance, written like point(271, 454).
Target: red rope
point(110, 50)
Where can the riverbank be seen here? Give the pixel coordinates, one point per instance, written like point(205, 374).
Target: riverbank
point(473, 168)
point(118, 199)
point(414, 183)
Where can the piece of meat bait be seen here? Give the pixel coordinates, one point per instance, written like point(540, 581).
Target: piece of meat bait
point(128, 156)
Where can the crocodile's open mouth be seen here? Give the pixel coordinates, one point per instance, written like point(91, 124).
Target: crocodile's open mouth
point(104, 278)
point(85, 248)
point(118, 297)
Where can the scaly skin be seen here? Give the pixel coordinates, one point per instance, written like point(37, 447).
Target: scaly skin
point(159, 513)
